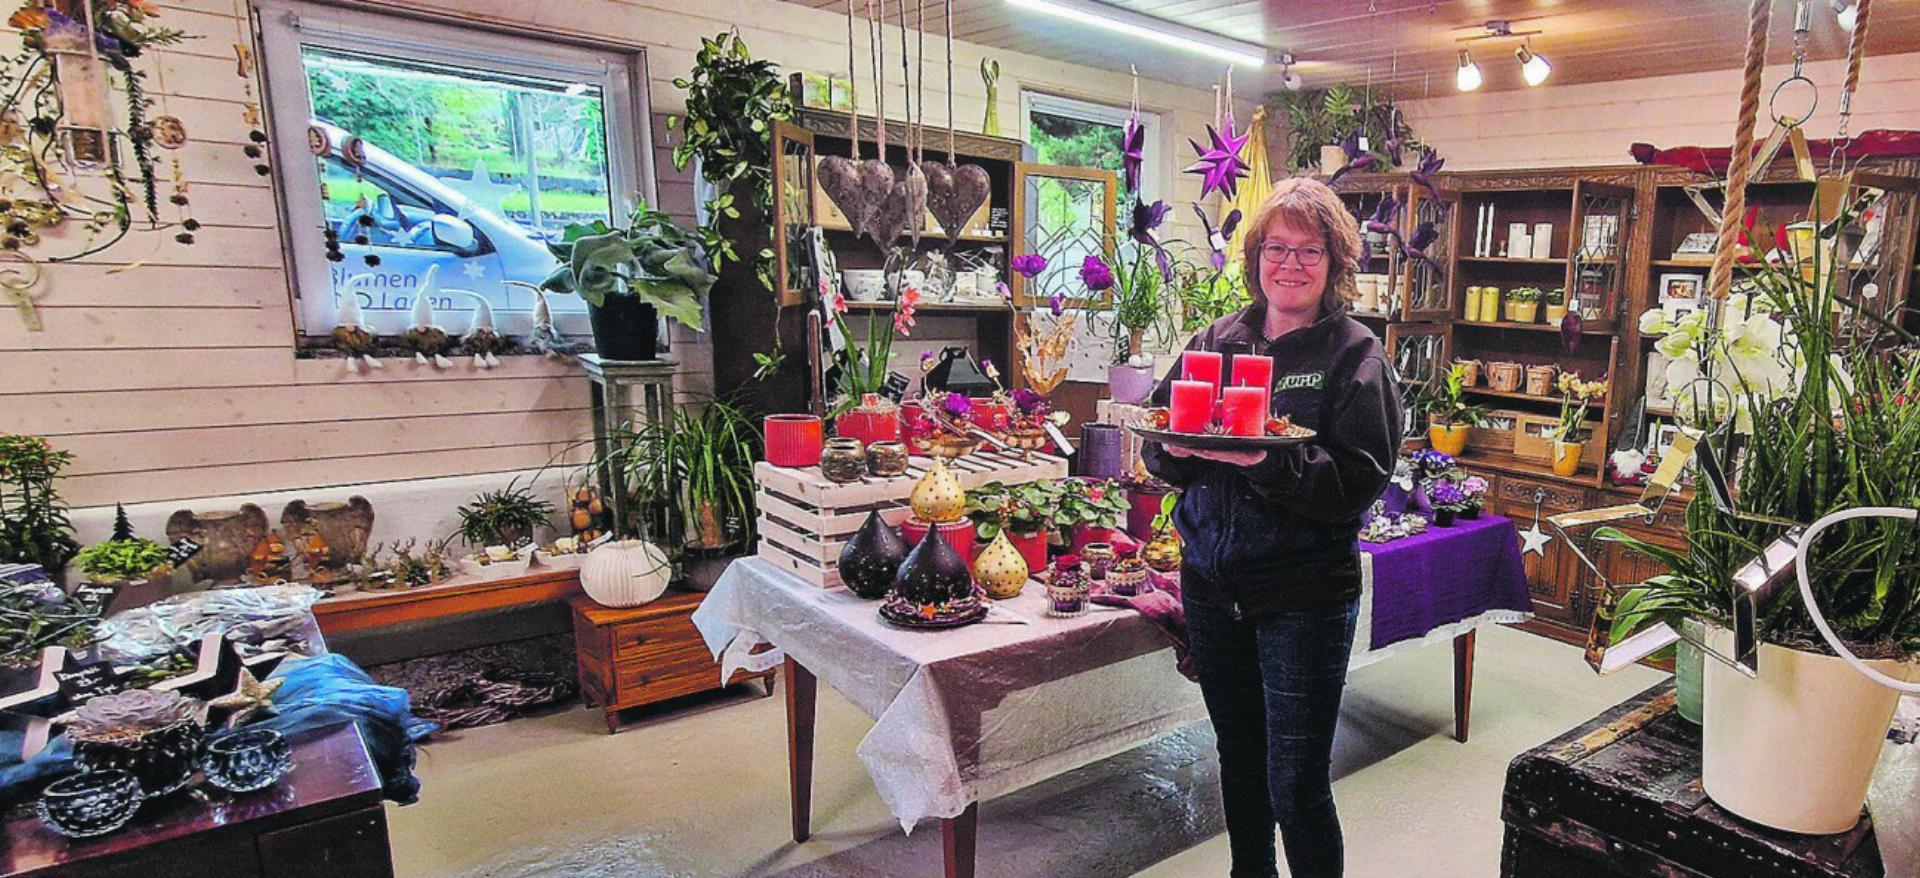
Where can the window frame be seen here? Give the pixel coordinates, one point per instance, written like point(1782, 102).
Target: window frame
point(283, 27)
point(1153, 177)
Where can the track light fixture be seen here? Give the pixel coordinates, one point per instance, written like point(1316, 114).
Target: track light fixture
point(1533, 68)
point(1468, 77)
point(1289, 79)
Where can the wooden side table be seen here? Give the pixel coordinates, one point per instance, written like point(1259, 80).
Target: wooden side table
point(325, 818)
point(640, 655)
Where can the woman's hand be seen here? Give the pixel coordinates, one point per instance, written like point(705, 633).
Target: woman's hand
point(1237, 458)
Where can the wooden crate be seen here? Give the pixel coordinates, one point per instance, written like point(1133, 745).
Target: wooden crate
point(805, 520)
point(1498, 436)
point(1532, 440)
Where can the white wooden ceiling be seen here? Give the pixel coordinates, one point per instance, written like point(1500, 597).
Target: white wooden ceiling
point(1411, 45)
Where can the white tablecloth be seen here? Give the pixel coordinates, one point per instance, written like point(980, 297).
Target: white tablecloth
point(966, 714)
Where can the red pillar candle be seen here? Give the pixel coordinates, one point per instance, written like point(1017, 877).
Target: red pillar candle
point(1201, 366)
point(1192, 405)
point(1244, 410)
point(1252, 370)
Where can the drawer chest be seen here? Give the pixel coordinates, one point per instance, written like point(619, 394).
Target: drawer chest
point(632, 656)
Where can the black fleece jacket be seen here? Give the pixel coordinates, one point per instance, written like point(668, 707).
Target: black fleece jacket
point(1281, 535)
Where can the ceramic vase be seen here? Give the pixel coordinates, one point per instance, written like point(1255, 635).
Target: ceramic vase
point(1102, 451)
point(958, 534)
point(1444, 516)
point(1143, 506)
point(793, 440)
point(625, 574)
point(1566, 457)
point(933, 574)
point(869, 561)
point(938, 497)
point(1129, 385)
point(1448, 438)
point(344, 527)
point(1001, 569)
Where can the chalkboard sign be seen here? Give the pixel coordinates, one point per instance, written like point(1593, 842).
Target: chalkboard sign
point(81, 682)
point(896, 387)
point(95, 594)
point(182, 549)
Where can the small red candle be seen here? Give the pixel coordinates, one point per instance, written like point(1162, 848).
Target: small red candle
point(1201, 366)
point(1252, 370)
point(1192, 406)
point(1244, 410)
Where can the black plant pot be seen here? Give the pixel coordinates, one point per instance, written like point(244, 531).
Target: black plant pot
point(625, 328)
point(1443, 517)
point(1470, 513)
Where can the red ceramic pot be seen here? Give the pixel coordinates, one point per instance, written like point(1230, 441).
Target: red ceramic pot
point(958, 534)
point(1145, 507)
point(909, 411)
point(1086, 533)
point(869, 425)
point(988, 415)
point(794, 440)
point(1033, 547)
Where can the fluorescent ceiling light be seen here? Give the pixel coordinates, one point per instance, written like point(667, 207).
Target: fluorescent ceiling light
point(1468, 77)
point(1150, 28)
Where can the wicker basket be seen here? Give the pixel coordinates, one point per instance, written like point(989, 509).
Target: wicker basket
point(1469, 371)
point(1540, 379)
point(1505, 377)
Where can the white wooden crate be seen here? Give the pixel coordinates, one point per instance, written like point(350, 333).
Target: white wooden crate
point(805, 519)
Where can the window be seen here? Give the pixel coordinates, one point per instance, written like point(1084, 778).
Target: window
point(1064, 131)
point(478, 149)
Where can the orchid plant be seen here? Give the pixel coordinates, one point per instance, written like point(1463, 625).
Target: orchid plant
point(863, 365)
point(1710, 367)
point(1575, 396)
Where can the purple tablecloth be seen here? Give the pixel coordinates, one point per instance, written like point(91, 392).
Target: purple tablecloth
point(1444, 576)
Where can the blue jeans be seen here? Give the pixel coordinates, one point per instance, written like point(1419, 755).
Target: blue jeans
point(1272, 687)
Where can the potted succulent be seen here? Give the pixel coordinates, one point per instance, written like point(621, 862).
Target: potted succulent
point(1450, 417)
point(1556, 300)
point(137, 569)
point(692, 476)
point(1023, 512)
point(33, 521)
point(1830, 428)
point(152, 734)
point(1571, 433)
point(1092, 511)
point(1523, 304)
point(631, 276)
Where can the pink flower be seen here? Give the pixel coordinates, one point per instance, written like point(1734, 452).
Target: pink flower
point(838, 302)
point(903, 316)
point(1096, 493)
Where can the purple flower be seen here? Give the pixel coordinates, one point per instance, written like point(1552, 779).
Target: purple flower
point(1430, 164)
point(1146, 218)
point(926, 357)
point(1095, 274)
point(956, 404)
point(1006, 292)
point(1030, 402)
point(1445, 493)
point(1029, 264)
point(1056, 303)
point(1473, 486)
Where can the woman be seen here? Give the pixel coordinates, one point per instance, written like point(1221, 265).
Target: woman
point(1271, 566)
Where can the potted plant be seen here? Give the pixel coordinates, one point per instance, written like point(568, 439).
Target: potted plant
point(1145, 497)
point(1450, 417)
point(33, 521)
point(1143, 298)
point(137, 569)
point(1556, 300)
point(1092, 511)
point(631, 276)
point(1523, 304)
point(507, 517)
point(1571, 433)
point(1448, 502)
point(860, 369)
point(692, 475)
point(1475, 489)
point(1023, 512)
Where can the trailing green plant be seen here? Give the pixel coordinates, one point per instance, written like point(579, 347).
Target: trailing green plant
point(1446, 401)
point(505, 517)
point(651, 258)
point(115, 560)
point(1207, 295)
point(1843, 432)
point(692, 476)
point(34, 528)
point(732, 102)
point(1024, 509)
point(1323, 117)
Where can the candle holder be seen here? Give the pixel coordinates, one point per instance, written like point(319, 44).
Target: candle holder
point(90, 804)
point(247, 760)
point(887, 459)
point(1128, 578)
point(1097, 559)
point(843, 460)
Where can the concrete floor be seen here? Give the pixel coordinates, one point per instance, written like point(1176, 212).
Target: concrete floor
point(700, 790)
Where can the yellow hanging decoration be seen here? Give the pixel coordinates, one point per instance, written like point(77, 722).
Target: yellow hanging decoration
point(1255, 187)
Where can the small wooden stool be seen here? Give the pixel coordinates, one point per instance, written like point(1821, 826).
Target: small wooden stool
point(640, 655)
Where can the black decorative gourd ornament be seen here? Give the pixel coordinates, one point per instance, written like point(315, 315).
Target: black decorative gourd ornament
point(869, 561)
point(934, 574)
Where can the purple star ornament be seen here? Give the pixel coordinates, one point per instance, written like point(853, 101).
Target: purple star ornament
point(1133, 140)
point(1220, 164)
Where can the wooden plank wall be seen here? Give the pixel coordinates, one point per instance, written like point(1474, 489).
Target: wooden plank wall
point(169, 370)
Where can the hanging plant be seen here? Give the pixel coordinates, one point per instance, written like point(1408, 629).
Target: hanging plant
point(1323, 117)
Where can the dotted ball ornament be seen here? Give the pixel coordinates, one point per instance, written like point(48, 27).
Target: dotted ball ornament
point(938, 498)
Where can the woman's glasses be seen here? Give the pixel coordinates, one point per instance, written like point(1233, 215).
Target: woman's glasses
point(1308, 256)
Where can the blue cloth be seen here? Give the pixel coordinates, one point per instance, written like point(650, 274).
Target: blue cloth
point(319, 691)
point(1272, 686)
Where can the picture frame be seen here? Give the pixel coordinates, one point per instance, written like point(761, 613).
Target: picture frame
point(1697, 244)
point(1680, 291)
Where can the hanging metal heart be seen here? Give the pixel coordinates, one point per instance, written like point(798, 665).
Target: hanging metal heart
point(877, 181)
point(915, 180)
point(954, 193)
point(840, 179)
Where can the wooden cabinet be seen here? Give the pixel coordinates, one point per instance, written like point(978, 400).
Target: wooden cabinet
point(639, 655)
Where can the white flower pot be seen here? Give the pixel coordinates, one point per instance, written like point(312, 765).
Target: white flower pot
point(1793, 749)
point(625, 574)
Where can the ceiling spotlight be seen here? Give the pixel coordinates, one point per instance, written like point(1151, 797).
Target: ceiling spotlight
point(1288, 78)
point(1847, 13)
point(1467, 78)
point(1533, 68)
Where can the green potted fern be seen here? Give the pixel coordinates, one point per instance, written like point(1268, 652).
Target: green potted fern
point(1450, 417)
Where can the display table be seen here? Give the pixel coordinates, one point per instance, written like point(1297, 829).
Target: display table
point(1621, 796)
point(972, 713)
point(325, 818)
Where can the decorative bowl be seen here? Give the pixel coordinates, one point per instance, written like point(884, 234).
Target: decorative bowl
point(247, 760)
point(92, 803)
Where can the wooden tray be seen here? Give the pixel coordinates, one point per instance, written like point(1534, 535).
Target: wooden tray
point(1211, 442)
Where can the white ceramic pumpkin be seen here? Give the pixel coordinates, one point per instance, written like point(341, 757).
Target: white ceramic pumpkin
point(627, 573)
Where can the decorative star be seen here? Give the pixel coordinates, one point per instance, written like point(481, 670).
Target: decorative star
point(1220, 164)
point(1133, 140)
point(1535, 539)
point(249, 696)
point(472, 270)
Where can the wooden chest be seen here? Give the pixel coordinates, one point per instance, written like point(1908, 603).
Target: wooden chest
point(1621, 796)
point(805, 519)
point(640, 655)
